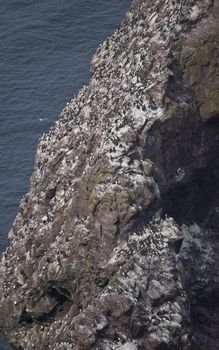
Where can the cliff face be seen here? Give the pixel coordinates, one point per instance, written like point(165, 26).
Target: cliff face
point(116, 244)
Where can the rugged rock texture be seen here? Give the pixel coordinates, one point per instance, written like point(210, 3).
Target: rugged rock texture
point(116, 245)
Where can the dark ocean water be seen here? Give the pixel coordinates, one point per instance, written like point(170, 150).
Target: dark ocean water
point(45, 51)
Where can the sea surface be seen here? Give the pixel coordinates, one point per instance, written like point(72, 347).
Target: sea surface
point(45, 52)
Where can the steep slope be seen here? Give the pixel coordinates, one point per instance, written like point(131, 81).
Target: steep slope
point(116, 243)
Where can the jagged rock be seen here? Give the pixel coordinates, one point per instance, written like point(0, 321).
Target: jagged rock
point(116, 243)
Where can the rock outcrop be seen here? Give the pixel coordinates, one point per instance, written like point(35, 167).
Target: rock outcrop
point(116, 245)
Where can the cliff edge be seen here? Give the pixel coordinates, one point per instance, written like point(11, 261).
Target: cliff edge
point(116, 245)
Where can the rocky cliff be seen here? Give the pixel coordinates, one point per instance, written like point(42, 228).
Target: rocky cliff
point(116, 245)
